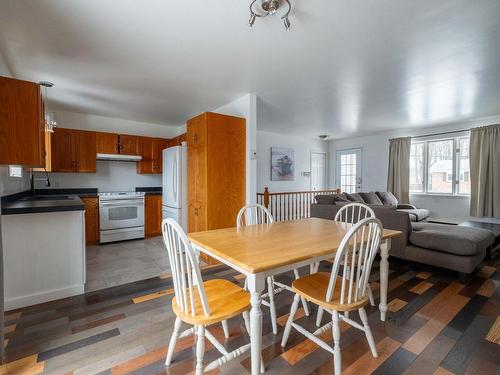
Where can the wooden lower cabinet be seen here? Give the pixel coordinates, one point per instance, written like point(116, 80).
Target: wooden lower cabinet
point(91, 220)
point(152, 215)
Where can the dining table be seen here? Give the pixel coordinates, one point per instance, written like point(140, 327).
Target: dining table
point(263, 250)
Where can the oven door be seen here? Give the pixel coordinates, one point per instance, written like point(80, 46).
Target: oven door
point(125, 213)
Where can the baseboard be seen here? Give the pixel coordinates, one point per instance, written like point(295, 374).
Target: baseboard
point(46, 296)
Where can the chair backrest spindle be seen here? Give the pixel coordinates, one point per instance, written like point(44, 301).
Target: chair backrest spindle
point(252, 214)
point(356, 252)
point(185, 269)
point(353, 212)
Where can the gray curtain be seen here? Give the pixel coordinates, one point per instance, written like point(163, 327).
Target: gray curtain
point(485, 171)
point(398, 176)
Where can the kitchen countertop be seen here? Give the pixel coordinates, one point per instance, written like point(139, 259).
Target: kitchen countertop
point(42, 203)
point(150, 190)
point(63, 200)
point(81, 192)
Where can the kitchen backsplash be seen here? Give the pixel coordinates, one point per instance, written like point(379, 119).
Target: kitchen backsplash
point(110, 176)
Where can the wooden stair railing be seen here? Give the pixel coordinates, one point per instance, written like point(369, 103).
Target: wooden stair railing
point(292, 205)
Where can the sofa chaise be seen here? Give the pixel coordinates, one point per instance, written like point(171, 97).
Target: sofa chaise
point(453, 247)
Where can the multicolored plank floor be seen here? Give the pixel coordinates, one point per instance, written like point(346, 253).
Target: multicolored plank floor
point(435, 326)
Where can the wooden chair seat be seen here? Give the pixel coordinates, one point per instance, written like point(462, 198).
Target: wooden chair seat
point(313, 288)
point(225, 299)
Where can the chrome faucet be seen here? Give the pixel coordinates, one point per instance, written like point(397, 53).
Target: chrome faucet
point(33, 179)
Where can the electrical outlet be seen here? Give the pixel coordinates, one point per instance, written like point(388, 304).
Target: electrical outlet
point(253, 154)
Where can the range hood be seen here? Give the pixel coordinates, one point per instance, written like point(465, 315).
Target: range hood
point(119, 157)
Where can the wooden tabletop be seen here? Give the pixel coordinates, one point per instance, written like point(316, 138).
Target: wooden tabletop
point(257, 248)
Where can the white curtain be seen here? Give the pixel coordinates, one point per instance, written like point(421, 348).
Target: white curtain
point(398, 176)
point(485, 171)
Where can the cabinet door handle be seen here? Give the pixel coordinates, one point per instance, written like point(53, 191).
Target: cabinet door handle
point(196, 211)
point(195, 137)
point(78, 164)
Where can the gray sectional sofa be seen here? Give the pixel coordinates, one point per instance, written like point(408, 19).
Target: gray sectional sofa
point(453, 247)
point(376, 199)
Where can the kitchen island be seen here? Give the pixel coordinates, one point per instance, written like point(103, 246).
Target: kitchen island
point(44, 249)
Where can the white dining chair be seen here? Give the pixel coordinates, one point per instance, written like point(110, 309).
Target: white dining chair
point(350, 213)
point(201, 304)
point(338, 292)
point(253, 214)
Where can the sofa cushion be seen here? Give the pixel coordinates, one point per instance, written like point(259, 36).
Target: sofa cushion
point(371, 198)
point(451, 239)
point(325, 199)
point(387, 198)
point(354, 197)
point(416, 214)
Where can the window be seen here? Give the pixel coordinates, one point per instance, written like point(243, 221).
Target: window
point(440, 166)
point(15, 171)
point(349, 170)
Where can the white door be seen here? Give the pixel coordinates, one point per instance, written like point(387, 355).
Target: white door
point(348, 170)
point(318, 171)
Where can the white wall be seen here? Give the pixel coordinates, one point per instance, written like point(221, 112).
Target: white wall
point(246, 107)
point(376, 159)
point(12, 185)
point(302, 152)
point(83, 121)
point(4, 68)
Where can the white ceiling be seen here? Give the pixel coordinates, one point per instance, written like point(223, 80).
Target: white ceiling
point(346, 67)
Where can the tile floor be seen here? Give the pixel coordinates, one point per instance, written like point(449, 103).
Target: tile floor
point(125, 262)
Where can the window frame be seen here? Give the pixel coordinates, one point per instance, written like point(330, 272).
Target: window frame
point(455, 165)
point(358, 184)
point(14, 176)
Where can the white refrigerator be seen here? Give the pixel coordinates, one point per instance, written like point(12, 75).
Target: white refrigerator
point(174, 184)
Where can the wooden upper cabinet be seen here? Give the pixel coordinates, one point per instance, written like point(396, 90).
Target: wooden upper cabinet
point(178, 140)
point(73, 151)
point(197, 130)
point(107, 143)
point(111, 143)
point(128, 144)
point(63, 150)
point(151, 150)
point(146, 146)
point(85, 151)
point(161, 145)
point(22, 126)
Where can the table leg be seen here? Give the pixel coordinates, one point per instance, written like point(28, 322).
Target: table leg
point(256, 286)
point(385, 246)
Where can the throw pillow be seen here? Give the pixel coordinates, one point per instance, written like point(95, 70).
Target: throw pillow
point(341, 198)
point(355, 197)
point(371, 198)
point(387, 198)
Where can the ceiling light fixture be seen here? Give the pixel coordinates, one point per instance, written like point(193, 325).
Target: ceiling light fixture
point(50, 121)
point(270, 7)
